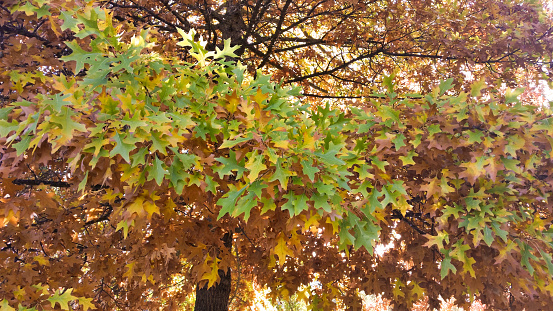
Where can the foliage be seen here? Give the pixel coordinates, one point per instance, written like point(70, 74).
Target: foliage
point(119, 182)
point(342, 49)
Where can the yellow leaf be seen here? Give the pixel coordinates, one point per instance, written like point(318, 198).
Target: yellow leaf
point(549, 287)
point(467, 266)
point(402, 205)
point(335, 225)
point(54, 26)
point(308, 141)
point(303, 296)
point(281, 144)
point(39, 287)
point(136, 206)
point(233, 101)
point(473, 170)
point(295, 240)
point(4, 306)
point(446, 188)
point(284, 293)
point(43, 261)
point(212, 276)
point(86, 303)
point(255, 165)
point(124, 224)
point(281, 250)
point(130, 270)
point(126, 102)
point(417, 290)
point(148, 278)
point(20, 293)
point(313, 220)
point(260, 97)
point(63, 298)
point(397, 292)
point(151, 208)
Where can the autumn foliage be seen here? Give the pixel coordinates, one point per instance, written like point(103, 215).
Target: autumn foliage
point(134, 174)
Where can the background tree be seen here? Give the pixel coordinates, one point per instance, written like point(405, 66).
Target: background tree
point(345, 48)
point(146, 174)
point(332, 48)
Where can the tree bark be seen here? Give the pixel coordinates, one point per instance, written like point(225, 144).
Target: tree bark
point(217, 297)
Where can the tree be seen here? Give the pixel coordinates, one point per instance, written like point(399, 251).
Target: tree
point(145, 174)
point(345, 48)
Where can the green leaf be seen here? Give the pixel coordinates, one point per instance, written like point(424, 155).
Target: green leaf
point(366, 232)
point(22, 145)
point(211, 184)
point(66, 123)
point(157, 171)
point(135, 122)
point(434, 129)
point(388, 113)
point(121, 148)
point(82, 184)
point(255, 165)
point(245, 205)
point(499, 232)
point(547, 258)
point(28, 8)
point(235, 141)
point(438, 240)
point(281, 174)
point(139, 157)
point(475, 136)
point(511, 164)
point(488, 237)
point(329, 157)
point(62, 299)
point(511, 96)
point(399, 141)
point(321, 202)
point(227, 50)
point(447, 266)
point(228, 201)
point(526, 256)
point(388, 81)
point(229, 165)
point(308, 169)
point(124, 224)
point(445, 85)
point(188, 160)
point(295, 204)
point(256, 188)
point(80, 56)
point(4, 306)
point(476, 87)
point(158, 142)
point(380, 164)
point(390, 196)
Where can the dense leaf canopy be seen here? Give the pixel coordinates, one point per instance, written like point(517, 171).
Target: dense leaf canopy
point(135, 165)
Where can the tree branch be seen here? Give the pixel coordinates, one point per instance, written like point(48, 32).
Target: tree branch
point(36, 182)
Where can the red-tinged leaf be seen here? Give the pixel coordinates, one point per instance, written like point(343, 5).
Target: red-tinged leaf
point(473, 170)
point(432, 187)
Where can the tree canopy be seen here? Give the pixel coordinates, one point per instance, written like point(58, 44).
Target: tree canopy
point(150, 148)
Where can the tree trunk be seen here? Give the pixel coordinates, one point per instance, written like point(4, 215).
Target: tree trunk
point(217, 297)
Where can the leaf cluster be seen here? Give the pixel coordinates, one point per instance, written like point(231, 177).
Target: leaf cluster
point(120, 182)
